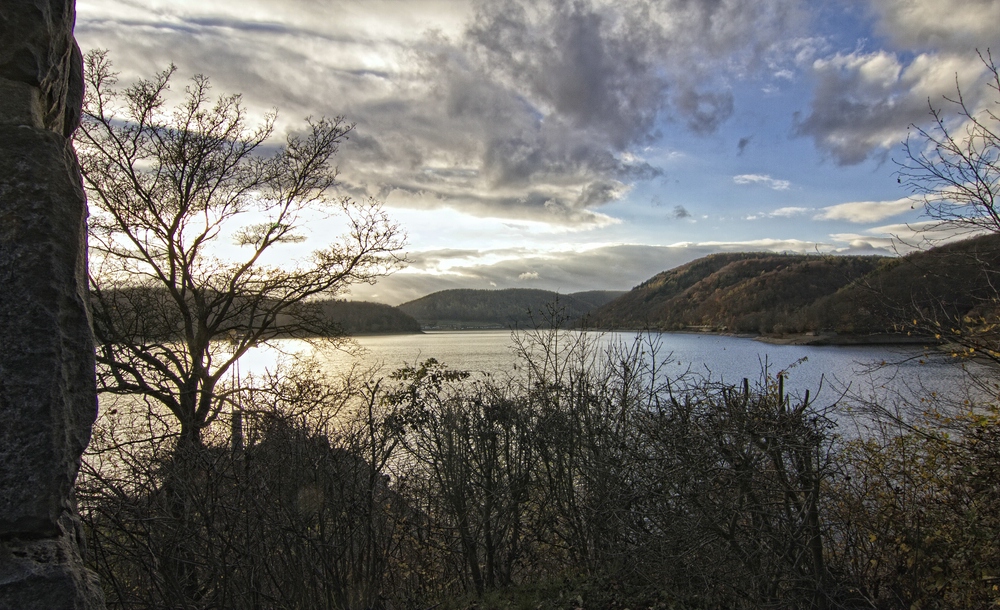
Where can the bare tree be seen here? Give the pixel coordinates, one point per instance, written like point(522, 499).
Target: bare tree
point(172, 314)
point(955, 168)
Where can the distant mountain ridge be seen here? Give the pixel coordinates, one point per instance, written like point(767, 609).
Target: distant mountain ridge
point(459, 309)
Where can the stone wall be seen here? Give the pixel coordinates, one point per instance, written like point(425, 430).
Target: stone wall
point(47, 390)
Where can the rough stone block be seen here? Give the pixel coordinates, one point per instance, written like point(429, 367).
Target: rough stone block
point(47, 390)
point(20, 104)
point(46, 574)
point(37, 48)
point(47, 387)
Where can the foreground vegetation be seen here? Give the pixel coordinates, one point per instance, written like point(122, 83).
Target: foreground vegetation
point(588, 479)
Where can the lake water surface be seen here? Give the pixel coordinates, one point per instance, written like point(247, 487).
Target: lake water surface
point(723, 358)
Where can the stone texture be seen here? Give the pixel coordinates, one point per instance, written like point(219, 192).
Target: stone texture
point(20, 104)
point(45, 574)
point(48, 398)
point(37, 48)
point(47, 386)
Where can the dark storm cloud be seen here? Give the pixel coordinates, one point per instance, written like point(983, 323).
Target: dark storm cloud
point(741, 146)
point(680, 212)
point(553, 94)
point(595, 71)
point(541, 103)
point(613, 69)
point(704, 111)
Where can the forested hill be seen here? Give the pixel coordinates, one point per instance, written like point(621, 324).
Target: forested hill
point(362, 317)
point(317, 318)
point(782, 293)
point(956, 282)
point(737, 292)
point(506, 308)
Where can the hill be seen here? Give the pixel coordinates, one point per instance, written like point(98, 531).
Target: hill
point(783, 294)
point(362, 317)
point(316, 318)
point(506, 308)
point(952, 282)
point(749, 292)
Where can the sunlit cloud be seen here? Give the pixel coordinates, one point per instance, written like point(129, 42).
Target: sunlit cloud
point(789, 212)
point(901, 238)
point(866, 211)
point(955, 25)
point(764, 180)
point(865, 102)
point(512, 108)
point(786, 212)
point(770, 245)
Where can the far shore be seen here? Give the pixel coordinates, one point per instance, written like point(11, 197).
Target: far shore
point(843, 339)
point(809, 338)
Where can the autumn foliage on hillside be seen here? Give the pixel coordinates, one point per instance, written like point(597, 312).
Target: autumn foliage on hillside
point(924, 293)
point(739, 292)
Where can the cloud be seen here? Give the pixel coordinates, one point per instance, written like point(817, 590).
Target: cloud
point(741, 146)
point(442, 259)
point(507, 108)
point(953, 25)
point(764, 179)
point(618, 267)
point(614, 267)
point(864, 101)
point(905, 238)
point(680, 212)
point(866, 211)
point(788, 212)
point(771, 245)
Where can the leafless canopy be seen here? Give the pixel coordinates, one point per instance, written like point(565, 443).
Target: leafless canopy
point(171, 185)
point(954, 165)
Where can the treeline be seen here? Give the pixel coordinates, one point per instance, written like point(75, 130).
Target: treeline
point(588, 479)
point(363, 317)
point(506, 308)
point(149, 313)
point(789, 293)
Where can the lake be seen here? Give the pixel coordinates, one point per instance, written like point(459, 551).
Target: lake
point(722, 358)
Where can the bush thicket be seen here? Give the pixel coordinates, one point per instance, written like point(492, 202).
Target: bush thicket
point(588, 478)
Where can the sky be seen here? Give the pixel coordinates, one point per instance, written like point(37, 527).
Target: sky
point(587, 144)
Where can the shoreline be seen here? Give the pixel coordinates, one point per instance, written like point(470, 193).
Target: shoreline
point(810, 338)
point(834, 339)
